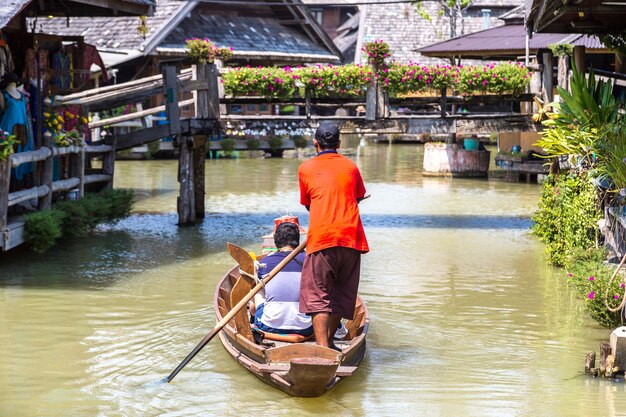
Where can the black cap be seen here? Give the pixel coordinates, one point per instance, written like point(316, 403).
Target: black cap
point(11, 78)
point(327, 135)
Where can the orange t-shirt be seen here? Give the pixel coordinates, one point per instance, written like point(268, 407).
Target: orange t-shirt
point(330, 184)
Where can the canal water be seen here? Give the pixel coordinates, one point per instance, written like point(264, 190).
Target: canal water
point(466, 317)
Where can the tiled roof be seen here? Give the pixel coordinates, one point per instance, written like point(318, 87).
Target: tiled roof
point(9, 9)
point(506, 40)
point(117, 32)
point(401, 26)
point(243, 33)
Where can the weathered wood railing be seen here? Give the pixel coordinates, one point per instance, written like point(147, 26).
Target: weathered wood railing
point(44, 186)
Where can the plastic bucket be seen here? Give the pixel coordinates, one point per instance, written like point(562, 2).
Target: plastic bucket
point(471, 144)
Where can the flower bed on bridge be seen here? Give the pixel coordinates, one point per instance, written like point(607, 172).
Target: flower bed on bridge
point(352, 80)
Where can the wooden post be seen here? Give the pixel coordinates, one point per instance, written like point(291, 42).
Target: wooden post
point(307, 101)
point(45, 202)
point(186, 204)
point(563, 71)
point(619, 63)
point(5, 182)
point(547, 75)
point(78, 170)
point(221, 91)
point(200, 73)
point(443, 102)
point(579, 58)
point(199, 162)
point(371, 101)
point(170, 89)
point(108, 162)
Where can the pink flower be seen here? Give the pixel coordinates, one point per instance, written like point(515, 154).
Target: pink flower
point(591, 278)
point(591, 295)
point(616, 296)
point(570, 275)
point(622, 285)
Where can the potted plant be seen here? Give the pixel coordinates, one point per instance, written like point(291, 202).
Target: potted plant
point(7, 145)
point(203, 51)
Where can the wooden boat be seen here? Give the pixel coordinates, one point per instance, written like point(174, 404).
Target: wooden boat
point(299, 369)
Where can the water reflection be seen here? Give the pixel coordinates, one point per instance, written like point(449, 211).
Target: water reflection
point(466, 317)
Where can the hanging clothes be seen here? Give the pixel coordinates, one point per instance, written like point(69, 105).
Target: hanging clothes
point(6, 59)
point(30, 66)
point(61, 63)
point(16, 121)
point(90, 56)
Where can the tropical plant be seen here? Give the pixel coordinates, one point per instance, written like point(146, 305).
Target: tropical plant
point(300, 141)
point(228, 145)
point(590, 104)
point(7, 145)
point(275, 144)
point(610, 154)
point(567, 216)
point(260, 81)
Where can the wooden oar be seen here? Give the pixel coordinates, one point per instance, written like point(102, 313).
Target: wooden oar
point(219, 326)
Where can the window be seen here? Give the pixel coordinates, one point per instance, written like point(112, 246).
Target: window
point(318, 15)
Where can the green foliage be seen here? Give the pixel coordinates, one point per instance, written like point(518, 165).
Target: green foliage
point(228, 145)
point(7, 144)
point(615, 41)
point(349, 80)
point(275, 143)
point(377, 53)
point(567, 217)
point(205, 51)
point(590, 276)
point(300, 142)
point(590, 104)
point(569, 141)
point(253, 144)
point(561, 49)
point(43, 229)
point(260, 81)
point(611, 151)
point(352, 80)
point(71, 219)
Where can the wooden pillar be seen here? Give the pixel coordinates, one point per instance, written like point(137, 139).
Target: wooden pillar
point(443, 102)
point(547, 75)
point(186, 205)
point(170, 89)
point(579, 59)
point(619, 63)
point(215, 85)
point(108, 163)
point(5, 182)
point(78, 170)
point(563, 71)
point(371, 102)
point(45, 202)
point(200, 72)
point(199, 162)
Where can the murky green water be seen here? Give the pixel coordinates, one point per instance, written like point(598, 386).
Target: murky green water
point(466, 318)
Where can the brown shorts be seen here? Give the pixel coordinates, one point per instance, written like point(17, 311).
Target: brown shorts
point(330, 281)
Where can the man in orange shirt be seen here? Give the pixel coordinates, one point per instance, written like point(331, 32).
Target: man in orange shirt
point(331, 188)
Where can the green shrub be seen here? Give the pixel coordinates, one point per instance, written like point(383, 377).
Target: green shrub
point(275, 144)
point(591, 279)
point(567, 217)
point(300, 142)
point(43, 229)
point(75, 218)
point(71, 219)
point(120, 204)
point(253, 144)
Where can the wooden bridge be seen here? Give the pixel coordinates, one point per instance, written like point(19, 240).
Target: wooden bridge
point(208, 116)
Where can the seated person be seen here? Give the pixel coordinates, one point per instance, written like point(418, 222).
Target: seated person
point(278, 312)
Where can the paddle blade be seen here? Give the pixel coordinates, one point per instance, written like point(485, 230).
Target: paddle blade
point(243, 258)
